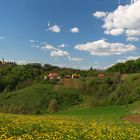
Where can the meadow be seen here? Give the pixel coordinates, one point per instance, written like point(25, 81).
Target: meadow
point(88, 108)
point(103, 123)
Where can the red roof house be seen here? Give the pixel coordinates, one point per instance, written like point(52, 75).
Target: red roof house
point(101, 75)
point(53, 75)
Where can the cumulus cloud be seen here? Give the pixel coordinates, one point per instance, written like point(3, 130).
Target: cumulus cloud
point(115, 32)
point(124, 20)
point(100, 14)
point(59, 53)
point(104, 48)
point(34, 43)
point(128, 58)
point(74, 30)
point(54, 52)
point(49, 47)
point(62, 45)
point(54, 28)
point(132, 32)
point(74, 58)
point(132, 39)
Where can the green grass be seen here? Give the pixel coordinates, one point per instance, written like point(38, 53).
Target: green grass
point(135, 108)
point(108, 114)
point(36, 97)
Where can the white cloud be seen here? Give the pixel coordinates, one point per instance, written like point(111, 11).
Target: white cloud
point(62, 45)
point(34, 43)
point(74, 30)
point(128, 58)
point(115, 32)
point(22, 62)
point(59, 53)
point(49, 47)
point(54, 52)
point(75, 59)
point(132, 32)
point(44, 46)
point(104, 48)
point(100, 14)
point(131, 39)
point(124, 20)
point(54, 28)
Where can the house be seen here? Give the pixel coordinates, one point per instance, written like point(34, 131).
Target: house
point(67, 76)
point(52, 75)
point(101, 75)
point(75, 75)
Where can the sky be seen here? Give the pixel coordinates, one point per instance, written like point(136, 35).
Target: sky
point(70, 33)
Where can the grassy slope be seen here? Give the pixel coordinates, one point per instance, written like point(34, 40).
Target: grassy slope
point(34, 97)
point(109, 114)
point(28, 98)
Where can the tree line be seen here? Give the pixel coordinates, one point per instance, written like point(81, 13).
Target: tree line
point(130, 66)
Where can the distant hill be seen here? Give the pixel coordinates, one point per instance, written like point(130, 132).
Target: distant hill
point(14, 76)
point(130, 66)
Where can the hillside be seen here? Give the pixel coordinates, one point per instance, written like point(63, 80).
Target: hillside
point(37, 99)
point(14, 77)
point(130, 66)
point(24, 90)
point(45, 97)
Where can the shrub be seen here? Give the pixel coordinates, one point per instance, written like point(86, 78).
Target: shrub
point(53, 106)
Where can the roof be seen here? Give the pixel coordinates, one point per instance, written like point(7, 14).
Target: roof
point(75, 74)
point(53, 75)
point(101, 75)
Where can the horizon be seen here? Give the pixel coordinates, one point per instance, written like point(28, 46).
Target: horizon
point(70, 34)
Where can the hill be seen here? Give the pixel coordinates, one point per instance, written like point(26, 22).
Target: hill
point(24, 90)
point(14, 77)
point(130, 66)
point(38, 99)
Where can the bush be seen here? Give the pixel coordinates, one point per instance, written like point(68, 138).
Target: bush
point(53, 106)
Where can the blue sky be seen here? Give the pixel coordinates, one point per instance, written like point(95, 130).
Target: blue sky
point(70, 33)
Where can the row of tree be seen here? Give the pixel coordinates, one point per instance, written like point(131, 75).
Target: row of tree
point(131, 66)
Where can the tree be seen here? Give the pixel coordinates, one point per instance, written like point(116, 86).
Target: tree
point(53, 106)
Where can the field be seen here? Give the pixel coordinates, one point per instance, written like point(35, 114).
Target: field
point(103, 123)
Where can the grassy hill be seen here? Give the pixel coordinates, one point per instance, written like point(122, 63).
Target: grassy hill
point(43, 97)
point(24, 90)
point(36, 99)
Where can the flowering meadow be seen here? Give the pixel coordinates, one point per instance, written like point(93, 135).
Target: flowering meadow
point(18, 127)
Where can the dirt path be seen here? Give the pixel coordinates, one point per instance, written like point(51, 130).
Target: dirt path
point(133, 118)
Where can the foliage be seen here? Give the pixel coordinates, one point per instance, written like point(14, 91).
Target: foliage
point(131, 66)
point(13, 75)
point(53, 105)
